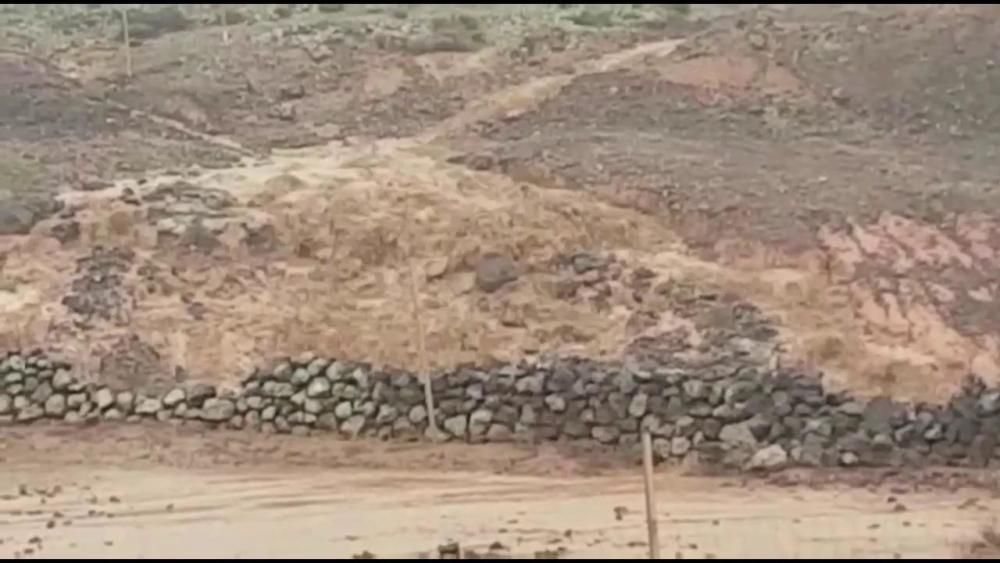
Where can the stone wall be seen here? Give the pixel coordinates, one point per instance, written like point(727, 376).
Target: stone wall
point(737, 416)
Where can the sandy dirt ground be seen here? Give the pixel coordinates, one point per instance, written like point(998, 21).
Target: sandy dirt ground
point(135, 492)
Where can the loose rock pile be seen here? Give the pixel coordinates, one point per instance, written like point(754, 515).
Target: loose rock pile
point(729, 414)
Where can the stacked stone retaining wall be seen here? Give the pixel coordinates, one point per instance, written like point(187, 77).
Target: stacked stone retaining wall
point(736, 416)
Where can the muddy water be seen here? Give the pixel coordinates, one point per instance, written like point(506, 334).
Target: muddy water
point(234, 512)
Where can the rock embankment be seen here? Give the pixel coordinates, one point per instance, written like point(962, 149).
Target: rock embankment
point(731, 415)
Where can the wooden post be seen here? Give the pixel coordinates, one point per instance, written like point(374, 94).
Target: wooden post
point(225, 26)
point(651, 523)
point(128, 45)
point(418, 322)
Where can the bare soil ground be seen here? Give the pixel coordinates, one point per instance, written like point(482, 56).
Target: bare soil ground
point(138, 492)
point(269, 179)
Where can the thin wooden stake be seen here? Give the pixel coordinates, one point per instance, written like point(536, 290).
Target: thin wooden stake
point(225, 26)
point(651, 523)
point(128, 43)
point(421, 342)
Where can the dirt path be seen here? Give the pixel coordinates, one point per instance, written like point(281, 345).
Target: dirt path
point(148, 492)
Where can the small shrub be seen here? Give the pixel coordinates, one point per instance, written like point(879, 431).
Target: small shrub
point(330, 8)
point(594, 18)
point(149, 24)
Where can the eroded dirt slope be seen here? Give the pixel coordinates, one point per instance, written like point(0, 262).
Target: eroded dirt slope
point(808, 162)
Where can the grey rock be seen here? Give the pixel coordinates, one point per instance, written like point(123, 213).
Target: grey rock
point(530, 384)
point(499, 433)
point(417, 414)
point(739, 391)
point(386, 414)
point(298, 399)
point(218, 410)
point(879, 415)
point(605, 434)
point(456, 425)
point(528, 416)
point(13, 378)
point(475, 391)
point(305, 358)
point(269, 413)
point(849, 459)
point(637, 406)
point(686, 426)
point(104, 398)
point(711, 428)
point(300, 377)
point(738, 435)
point(317, 366)
point(360, 378)
point(326, 421)
point(251, 419)
point(353, 425)
point(318, 387)
point(852, 408)
point(770, 458)
point(282, 371)
point(479, 421)
point(55, 405)
point(113, 414)
point(255, 403)
point(163, 415)
point(174, 397)
point(281, 425)
point(905, 435)
point(279, 389)
point(782, 403)
point(555, 403)
point(934, 433)
point(29, 413)
point(62, 380)
point(680, 446)
point(695, 389)
point(21, 402)
point(626, 383)
point(73, 417)
point(336, 371)
point(811, 453)
point(6, 404)
point(661, 448)
point(125, 401)
point(367, 408)
point(493, 271)
point(820, 426)
point(989, 403)
point(41, 393)
point(200, 392)
point(312, 406)
point(148, 406)
point(32, 383)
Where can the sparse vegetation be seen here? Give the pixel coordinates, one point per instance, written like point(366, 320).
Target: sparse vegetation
point(594, 17)
point(458, 33)
point(329, 8)
point(150, 23)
